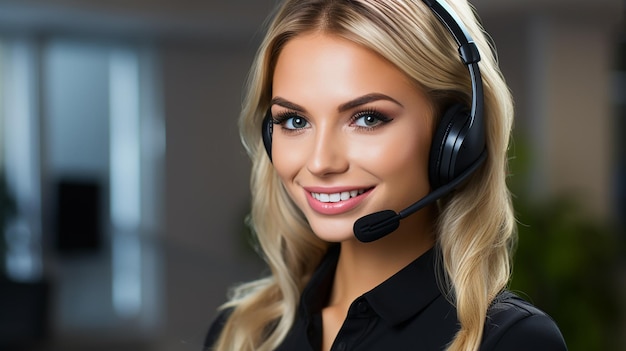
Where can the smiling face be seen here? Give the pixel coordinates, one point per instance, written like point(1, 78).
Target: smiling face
point(352, 134)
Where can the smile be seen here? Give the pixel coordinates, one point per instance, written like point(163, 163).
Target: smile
point(335, 201)
point(336, 197)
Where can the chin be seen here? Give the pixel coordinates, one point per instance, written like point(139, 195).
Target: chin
point(334, 233)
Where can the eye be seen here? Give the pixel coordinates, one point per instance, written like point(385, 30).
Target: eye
point(295, 123)
point(291, 121)
point(370, 119)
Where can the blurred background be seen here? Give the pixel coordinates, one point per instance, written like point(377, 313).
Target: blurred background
point(123, 185)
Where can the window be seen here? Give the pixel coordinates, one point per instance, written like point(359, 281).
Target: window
point(82, 145)
point(20, 158)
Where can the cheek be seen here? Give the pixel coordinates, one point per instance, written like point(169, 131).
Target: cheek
point(401, 159)
point(287, 158)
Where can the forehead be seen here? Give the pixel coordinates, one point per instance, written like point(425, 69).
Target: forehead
point(319, 65)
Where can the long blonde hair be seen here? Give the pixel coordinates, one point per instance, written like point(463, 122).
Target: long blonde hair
point(475, 225)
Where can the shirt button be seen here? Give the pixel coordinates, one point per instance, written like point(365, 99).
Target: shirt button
point(341, 346)
point(362, 307)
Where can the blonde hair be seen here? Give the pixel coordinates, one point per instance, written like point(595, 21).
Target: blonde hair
point(475, 225)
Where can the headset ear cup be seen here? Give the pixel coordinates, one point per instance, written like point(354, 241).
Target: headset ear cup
point(266, 132)
point(441, 168)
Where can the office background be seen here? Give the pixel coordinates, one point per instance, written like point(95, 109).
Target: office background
point(124, 187)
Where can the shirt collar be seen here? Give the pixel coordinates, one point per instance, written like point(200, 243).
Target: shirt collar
point(398, 298)
point(317, 292)
point(407, 292)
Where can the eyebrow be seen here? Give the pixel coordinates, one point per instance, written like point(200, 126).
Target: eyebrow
point(361, 100)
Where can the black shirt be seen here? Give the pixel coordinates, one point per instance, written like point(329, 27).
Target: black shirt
point(408, 312)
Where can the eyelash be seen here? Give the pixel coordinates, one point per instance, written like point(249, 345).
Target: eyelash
point(370, 112)
point(283, 117)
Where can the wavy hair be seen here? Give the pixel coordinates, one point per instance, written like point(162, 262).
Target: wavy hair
point(476, 226)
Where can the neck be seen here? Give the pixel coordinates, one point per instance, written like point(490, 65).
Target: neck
point(363, 266)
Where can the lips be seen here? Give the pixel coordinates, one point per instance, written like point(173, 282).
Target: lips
point(335, 201)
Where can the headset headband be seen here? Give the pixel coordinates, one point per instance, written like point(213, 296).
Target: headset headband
point(468, 51)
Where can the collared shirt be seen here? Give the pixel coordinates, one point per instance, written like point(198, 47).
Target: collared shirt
point(408, 312)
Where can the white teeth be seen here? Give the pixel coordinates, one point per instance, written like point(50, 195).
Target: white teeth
point(336, 197)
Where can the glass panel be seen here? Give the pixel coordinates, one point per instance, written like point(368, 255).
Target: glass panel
point(125, 181)
point(20, 148)
point(105, 131)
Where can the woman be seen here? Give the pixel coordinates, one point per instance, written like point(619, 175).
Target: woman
point(365, 107)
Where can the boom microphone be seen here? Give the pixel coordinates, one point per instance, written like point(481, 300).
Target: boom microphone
point(377, 225)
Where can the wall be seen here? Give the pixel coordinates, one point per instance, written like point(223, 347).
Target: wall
point(207, 184)
point(558, 65)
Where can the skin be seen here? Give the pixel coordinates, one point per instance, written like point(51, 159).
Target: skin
point(329, 140)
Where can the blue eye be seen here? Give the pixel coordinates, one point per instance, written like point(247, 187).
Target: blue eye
point(369, 119)
point(295, 123)
point(291, 121)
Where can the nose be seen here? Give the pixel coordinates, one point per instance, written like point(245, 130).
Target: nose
point(328, 154)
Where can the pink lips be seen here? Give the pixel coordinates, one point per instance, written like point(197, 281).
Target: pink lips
point(334, 208)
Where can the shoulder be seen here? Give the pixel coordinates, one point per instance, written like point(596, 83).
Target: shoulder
point(216, 328)
point(514, 324)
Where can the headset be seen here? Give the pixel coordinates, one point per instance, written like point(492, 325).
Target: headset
point(458, 147)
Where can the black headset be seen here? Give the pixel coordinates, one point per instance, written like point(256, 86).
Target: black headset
point(458, 146)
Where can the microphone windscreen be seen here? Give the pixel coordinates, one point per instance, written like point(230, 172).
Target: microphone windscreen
point(376, 225)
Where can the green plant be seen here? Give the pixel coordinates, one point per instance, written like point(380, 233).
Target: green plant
point(570, 265)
